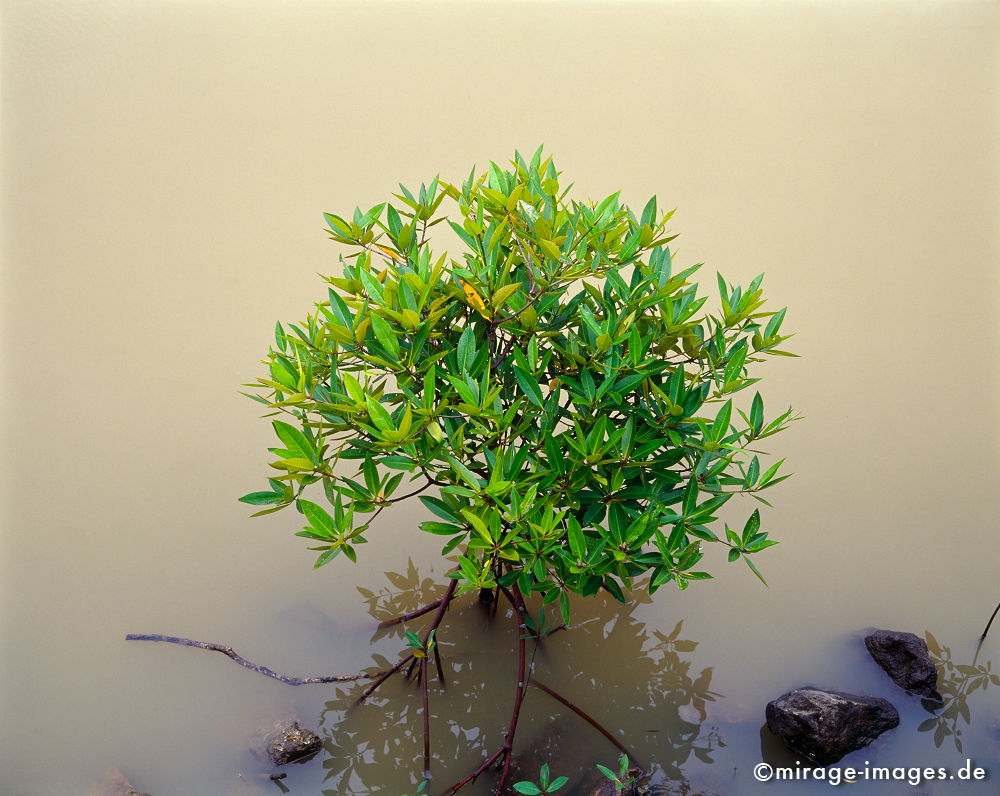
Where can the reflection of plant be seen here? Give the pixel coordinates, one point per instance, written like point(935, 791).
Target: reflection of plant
point(545, 783)
point(956, 684)
point(408, 589)
point(662, 685)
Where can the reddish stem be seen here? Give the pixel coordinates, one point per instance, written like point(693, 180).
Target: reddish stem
point(590, 720)
point(441, 608)
point(427, 718)
point(385, 676)
point(437, 662)
point(504, 751)
point(522, 686)
point(412, 615)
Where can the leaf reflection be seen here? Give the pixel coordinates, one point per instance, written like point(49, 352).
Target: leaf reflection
point(636, 680)
point(956, 682)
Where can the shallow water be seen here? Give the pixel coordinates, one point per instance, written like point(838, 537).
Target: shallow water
point(165, 166)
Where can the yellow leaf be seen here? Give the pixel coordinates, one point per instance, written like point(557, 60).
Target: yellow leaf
point(474, 298)
point(390, 252)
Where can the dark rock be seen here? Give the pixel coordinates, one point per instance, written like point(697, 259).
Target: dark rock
point(905, 659)
point(287, 742)
point(826, 725)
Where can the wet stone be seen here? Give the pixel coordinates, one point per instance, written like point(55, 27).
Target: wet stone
point(826, 725)
point(905, 658)
point(286, 742)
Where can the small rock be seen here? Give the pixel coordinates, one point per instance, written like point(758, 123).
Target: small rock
point(287, 742)
point(905, 659)
point(826, 725)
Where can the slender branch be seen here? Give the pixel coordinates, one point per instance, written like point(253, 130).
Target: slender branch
point(589, 719)
point(441, 608)
point(230, 653)
point(411, 668)
point(478, 772)
point(982, 638)
point(437, 663)
point(504, 750)
point(996, 610)
point(384, 676)
point(522, 686)
point(449, 595)
point(412, 615)
point(427, 717)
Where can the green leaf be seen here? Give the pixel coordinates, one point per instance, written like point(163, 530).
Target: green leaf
point(440, 508)
point(529, 386)
point(295, 442)
point(752, 526)
point(262, 498)
point(564, 607)
point(771, 471)
point(466, 350)
point(384, 335)
point(607, 772)
point(755, 570)
point(502, 294)
point(327, 557)
point(577, 541)
point(721, 425)
point(528, 788)
point(354, 388)
point(690, 497)
point(317, 516)
point(465, 473)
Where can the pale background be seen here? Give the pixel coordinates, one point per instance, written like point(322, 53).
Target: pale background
point(165, 167)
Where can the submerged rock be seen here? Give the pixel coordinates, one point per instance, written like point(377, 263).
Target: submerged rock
point(906, 660)
point(826, 725)
point(114, 783)
point(286, 742)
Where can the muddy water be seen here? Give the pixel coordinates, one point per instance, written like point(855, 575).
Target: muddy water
point(165, 165)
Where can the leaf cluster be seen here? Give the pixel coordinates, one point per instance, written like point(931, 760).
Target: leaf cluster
point(558, 389)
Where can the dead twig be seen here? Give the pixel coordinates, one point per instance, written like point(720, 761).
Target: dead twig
point(256, 667)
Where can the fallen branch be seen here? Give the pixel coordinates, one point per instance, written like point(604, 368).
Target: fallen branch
point(256, 667)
